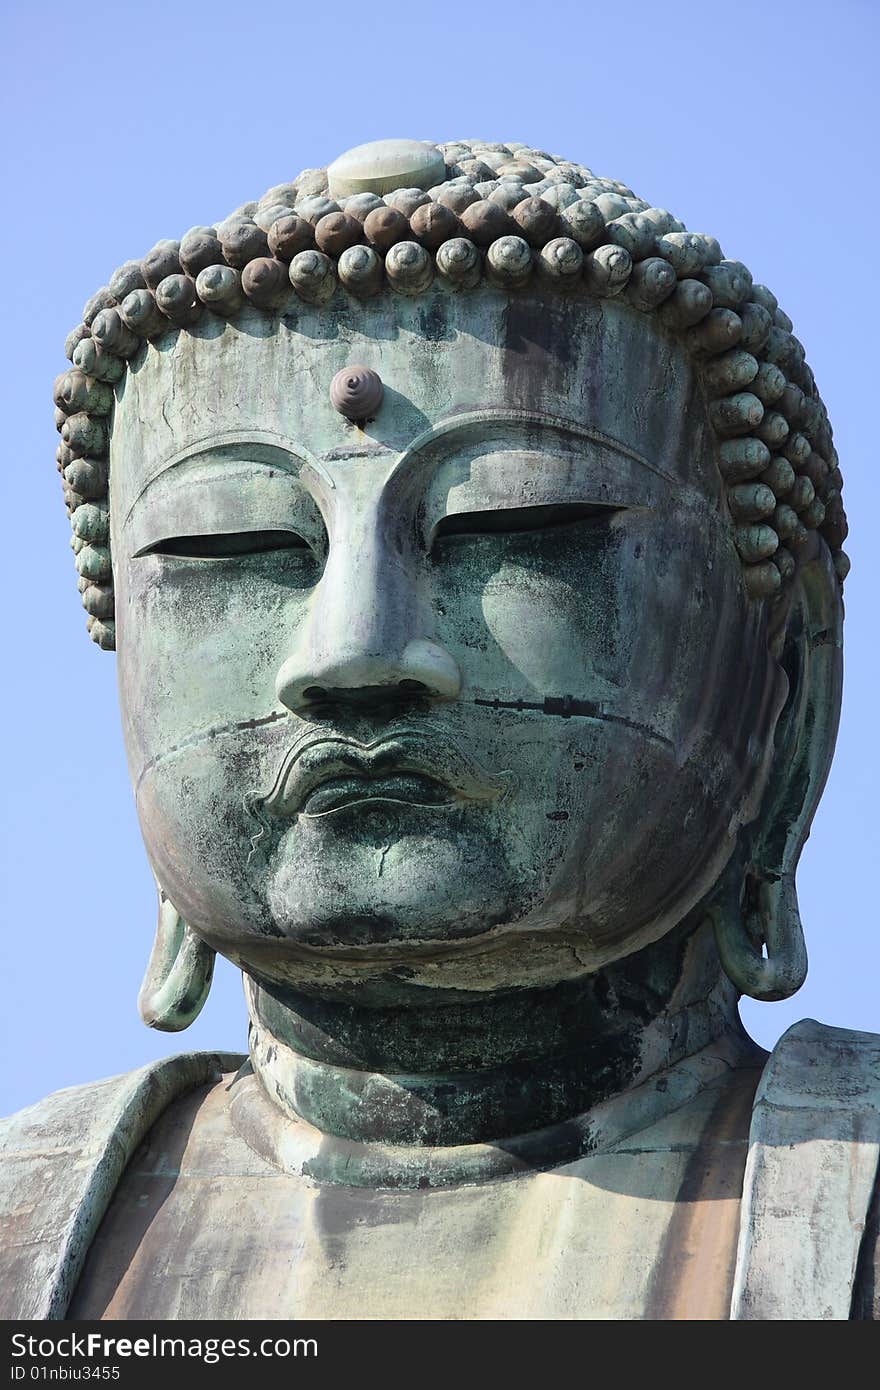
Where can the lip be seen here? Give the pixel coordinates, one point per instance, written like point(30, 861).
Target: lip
point(326, 773)
point(407, 788)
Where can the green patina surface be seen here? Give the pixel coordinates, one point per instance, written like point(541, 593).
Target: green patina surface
point(481, 724)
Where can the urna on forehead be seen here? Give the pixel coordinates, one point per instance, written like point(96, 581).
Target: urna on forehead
point(409, 225)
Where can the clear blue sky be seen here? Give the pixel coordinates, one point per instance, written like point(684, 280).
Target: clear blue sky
point(755, 122)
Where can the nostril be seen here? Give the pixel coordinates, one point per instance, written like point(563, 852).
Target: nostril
point(410, 687)
point(314, 693)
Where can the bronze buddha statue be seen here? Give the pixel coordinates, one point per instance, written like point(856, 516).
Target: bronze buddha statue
point(469, 535)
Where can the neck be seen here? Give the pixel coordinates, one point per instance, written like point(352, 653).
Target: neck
point(467, 1073)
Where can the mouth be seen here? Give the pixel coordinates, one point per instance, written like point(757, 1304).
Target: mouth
point(324, 774)
point(410, 789)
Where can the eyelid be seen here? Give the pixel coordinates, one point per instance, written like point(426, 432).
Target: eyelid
point(224, 544)
point(232, 451)
point(544, 516)
point(210, 501)
point(496, 478)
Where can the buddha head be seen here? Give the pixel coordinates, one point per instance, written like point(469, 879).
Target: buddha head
point(468, 533)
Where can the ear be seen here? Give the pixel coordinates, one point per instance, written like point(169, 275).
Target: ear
point(755, 910)
point(178, 978)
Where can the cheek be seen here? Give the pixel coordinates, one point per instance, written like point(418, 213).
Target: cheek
point(607, 611)
point(529, 614)
point(633, 796)
point(198, 652)
point(194, 826)
point(199, 646)
point(193, 805)
point(543, 634)
point(638, 616)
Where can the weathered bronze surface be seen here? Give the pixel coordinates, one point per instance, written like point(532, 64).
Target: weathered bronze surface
point(469, 536)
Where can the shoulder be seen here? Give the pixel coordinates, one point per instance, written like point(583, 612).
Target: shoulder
point(811, 1177)
point(823, 1067)
point(61, 1161)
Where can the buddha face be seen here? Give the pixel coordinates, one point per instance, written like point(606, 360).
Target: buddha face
point(467, 698)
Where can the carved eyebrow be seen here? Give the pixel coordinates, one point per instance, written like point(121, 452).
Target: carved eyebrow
point(243, 447)
point(475, 423)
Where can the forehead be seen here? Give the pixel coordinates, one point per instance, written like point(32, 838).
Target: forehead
point(597, 366)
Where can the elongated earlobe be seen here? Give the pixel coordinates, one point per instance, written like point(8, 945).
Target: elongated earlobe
point(759, 934)
point(178, 977)
point(755, 908)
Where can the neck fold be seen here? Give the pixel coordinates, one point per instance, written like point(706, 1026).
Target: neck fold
point(490, 1070)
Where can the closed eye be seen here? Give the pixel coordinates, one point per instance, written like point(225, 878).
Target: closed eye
point(505, 520)
point(219, 545)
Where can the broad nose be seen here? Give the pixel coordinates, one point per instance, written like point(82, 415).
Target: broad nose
point(367, 636)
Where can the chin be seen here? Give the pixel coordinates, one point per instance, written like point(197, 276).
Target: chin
point(381, 888)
